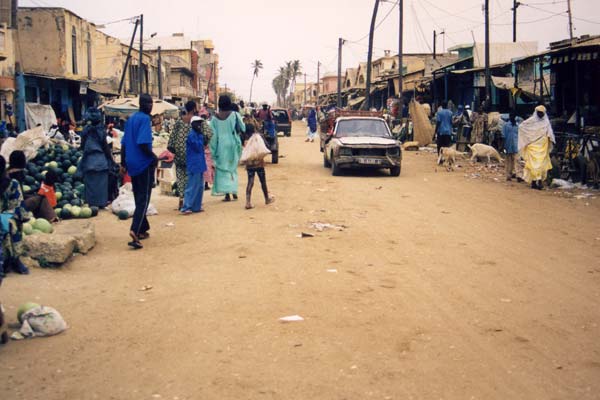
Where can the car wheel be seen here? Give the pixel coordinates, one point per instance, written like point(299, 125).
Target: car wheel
point(275, 157)
point(326, 162)
point(335, 169)
point(395, 171)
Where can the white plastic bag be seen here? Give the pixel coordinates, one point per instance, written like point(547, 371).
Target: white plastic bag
point(126, 202)
point(255, 149)
point(40, 321)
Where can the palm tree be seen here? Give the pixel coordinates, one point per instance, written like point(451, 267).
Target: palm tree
point(279, 86)
point(257, 65)
point(295, 70)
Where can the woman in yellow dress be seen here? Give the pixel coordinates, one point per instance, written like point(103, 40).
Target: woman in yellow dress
point(536, 139)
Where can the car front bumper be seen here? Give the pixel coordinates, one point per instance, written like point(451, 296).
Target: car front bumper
point(367, 161)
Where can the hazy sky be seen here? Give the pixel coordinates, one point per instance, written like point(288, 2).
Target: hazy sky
point(308, 30)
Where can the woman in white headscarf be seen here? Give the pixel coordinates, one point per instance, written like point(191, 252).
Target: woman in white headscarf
point(536, 138)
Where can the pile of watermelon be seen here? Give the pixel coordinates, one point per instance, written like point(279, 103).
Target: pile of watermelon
point(70, 190)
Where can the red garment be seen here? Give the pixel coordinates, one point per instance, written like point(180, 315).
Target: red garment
point(48, 192)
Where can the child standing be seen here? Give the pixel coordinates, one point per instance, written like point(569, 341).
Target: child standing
point(253, 168)
point(510, 133)
point(196, 167)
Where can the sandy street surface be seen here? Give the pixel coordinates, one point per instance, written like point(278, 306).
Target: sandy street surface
point(438, 287)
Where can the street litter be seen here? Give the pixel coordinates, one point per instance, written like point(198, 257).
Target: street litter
point(332, 271)
point(291, 318)
point(320, 226)
point(145, 288)
point(38, 321)
point(305, 235)
point(169, 224)
point(583, 196)
point(562, 184)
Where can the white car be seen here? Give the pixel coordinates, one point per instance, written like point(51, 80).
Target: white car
point(362, 142)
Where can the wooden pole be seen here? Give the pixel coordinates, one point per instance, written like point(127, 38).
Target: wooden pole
point(370, 54)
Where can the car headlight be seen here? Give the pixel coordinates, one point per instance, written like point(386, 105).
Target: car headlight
point(345, 151)
point(394, 151)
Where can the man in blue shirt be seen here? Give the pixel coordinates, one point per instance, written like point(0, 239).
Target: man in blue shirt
point(510, 133)
point(140, 162)
point(443, 127)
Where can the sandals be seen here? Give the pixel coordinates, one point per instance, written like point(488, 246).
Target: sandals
point(135, 243)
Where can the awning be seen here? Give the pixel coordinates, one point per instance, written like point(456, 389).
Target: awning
point(504, 83)
point(378, 87)
point(124, 107)
point(356, 101)
point(103, 89)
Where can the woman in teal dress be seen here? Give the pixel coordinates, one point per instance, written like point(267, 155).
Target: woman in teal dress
point(226, 148)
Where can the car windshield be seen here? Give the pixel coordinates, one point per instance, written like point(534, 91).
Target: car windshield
point(362, 127)
point(280, 115)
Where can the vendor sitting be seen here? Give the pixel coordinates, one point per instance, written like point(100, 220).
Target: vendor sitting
point(34, 203)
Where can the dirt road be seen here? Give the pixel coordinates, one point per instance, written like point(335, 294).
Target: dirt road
point(439, 287)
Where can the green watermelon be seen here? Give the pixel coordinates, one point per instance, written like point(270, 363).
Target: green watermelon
point(72, 170)
point(75, 211)
point(53, 164)
point(58, 196)
point(86, 212)
point(29, 180)
point(62, 203)
point(65, 214)
point(26, 188)
point(27, 228)
point(57, 211)
point(43, 225)
point(95, 211)
point(123, 215)
point(23, 308)
point(76, 202)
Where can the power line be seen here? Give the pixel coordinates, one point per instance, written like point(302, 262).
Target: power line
point(380, 22)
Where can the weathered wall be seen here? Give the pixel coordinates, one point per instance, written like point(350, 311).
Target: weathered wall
point(501, 53)
point(42, 41)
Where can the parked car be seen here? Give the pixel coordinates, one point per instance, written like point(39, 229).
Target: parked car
point(362, 142)
point(283, 121)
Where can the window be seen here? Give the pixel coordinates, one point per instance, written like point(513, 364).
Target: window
point(89, 55)
point(74, 49)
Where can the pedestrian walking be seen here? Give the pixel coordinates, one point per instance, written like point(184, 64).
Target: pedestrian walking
point(140, 163)
point(311, 121)
point(196, 167)
point(226, 149)
point(177, 146)
point(443, 127)
point(535, 143)
point(510, 133)
point(96, 160)
point(256, 166)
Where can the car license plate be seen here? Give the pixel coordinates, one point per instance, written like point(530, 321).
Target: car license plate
point(370, 161)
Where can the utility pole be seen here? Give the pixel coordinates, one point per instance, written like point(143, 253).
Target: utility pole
point(160, 88)
point(304, 90)
point(141, 65)
point(487, 54)
point(570, 19)
point(434, 39)
point(370, 54)
point(318, 81)
point(516, 5)
point(400, 45)
point(339, 77)
point(137, 23)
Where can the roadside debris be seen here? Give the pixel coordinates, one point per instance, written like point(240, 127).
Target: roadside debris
point(305, 235)
point(332, 271)
point(321, 226)
point(145, 288)
point(291, 318)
